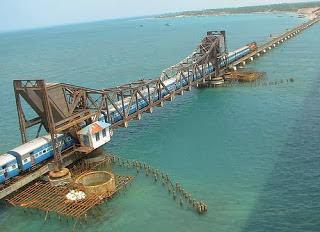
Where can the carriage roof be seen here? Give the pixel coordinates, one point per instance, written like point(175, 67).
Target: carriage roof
point(33, 144)
point(6, 158)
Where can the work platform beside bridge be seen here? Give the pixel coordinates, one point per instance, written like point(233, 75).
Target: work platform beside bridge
point(79, 120)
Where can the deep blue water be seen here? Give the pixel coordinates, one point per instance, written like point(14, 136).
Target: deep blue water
point(250, 153)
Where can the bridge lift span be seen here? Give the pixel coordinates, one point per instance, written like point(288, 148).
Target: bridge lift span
point(64, 108)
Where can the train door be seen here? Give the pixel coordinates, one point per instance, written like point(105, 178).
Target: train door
point(32, 158)
point(3, 172)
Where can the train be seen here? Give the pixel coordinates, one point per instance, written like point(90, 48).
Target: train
point(22, 158)
point(170, 84)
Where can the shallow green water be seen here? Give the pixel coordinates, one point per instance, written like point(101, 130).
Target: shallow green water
point(251, 154)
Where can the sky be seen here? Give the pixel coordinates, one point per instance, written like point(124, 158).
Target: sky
point(24, 14)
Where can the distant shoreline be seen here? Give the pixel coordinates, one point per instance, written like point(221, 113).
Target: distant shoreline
point(308, 10)
point(307, 15)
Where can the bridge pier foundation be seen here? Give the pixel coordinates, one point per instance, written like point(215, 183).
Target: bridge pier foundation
point(180, 93)
point(172, 97)
point(58, 177)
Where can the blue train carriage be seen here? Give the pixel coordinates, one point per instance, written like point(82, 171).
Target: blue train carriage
point(38, 150)
point(8, 167)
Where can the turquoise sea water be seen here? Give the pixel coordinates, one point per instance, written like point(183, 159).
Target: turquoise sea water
point(251, 154)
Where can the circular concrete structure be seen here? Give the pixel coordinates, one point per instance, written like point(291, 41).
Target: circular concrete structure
point(96, 182)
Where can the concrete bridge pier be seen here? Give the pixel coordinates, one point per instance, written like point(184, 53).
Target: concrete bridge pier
point(172, 97)
point(181, 92)
point(126, 124)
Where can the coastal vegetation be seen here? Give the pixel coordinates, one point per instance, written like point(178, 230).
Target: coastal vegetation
point(283, 7)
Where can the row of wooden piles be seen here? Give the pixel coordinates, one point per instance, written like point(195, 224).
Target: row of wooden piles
point(177, 190)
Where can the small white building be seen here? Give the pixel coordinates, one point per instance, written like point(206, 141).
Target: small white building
point(95, 135)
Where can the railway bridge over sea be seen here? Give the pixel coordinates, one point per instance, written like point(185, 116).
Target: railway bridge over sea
point(65, 109)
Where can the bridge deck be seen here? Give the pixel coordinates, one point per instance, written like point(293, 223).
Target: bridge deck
point(276, 41)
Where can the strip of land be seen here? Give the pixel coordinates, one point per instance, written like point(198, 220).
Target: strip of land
point(308, 9)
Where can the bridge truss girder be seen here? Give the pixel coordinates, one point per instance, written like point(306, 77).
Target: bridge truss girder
point(60, 107)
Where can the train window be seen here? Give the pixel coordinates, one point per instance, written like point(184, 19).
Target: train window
point(40, 153)
point(44, 151)
point(13, 166)
point(104, 134)
point(25, 160)
point(97, 136)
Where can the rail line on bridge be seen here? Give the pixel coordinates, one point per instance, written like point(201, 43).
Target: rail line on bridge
point(273, 43)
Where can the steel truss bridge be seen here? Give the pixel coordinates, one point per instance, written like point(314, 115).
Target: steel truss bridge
point(61, 107)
